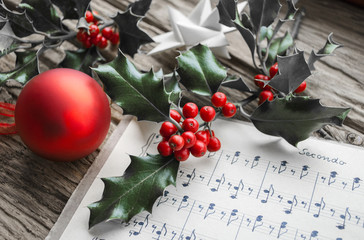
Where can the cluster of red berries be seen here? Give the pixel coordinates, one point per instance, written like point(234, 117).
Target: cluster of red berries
point(267, 91)
point(93, 37)
point(189, 140)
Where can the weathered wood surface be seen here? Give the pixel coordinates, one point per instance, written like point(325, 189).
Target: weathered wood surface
point(34, 191)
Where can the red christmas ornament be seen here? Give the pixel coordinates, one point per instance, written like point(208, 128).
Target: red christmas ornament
point(62, 114)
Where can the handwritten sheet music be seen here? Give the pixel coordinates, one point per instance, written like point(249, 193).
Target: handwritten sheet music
point(255, 187)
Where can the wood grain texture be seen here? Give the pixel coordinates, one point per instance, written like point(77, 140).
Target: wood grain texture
point(34, 191)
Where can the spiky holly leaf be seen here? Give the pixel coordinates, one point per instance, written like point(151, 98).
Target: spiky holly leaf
point(172, 86)
point(26, 67)
point(140, 7)
point(122, 195)
point(263, 12)
point(237, 83)
point(278, 46)
point(327, 50)
point(131, 36)
point(199, 70)
point(7, 41)
point(81, 59)
point(294, 118)
point(227, 11)
point(20, 23)
point(72, 9)
point(293, 70)
point(43, 15)
point(139, 94)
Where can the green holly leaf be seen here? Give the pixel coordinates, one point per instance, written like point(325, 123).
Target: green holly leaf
point(72, 9)
point(278, 46)
point(294, 118)
point(139, 94)
point(122, 198)
point(293, 70)
point(199, 70)
point(131, 36)
point(20, 22)
point(26, 67)
point(43, 15)
point(327, 50)
point(263, 12)
point(171, 85)
point(81, 59)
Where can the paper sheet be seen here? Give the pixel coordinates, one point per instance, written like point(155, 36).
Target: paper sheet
point(256, 187)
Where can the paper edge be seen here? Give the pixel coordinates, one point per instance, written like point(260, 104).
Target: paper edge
point(82, 188)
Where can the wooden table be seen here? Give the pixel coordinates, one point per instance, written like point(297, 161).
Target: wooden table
point(34, 191)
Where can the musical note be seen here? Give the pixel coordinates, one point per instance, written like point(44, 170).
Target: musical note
point(314, 234)
point(332, 178)
point(233, 216)
point(356, 183)
point(304, 171)
point(183, 203)
point(282, 167)
point(163, 198)
point(258, 222)
point(192, 236)
point(255, 162)
point(282, 229)
point(292, 203)
point(269, 193)
point(163, 229)
point(142, 224)
point(190, 177)
point(210, 210)
point(346, 216)
point(237, 188)
point(220, 181)
point(235, 157)
point(321, 205)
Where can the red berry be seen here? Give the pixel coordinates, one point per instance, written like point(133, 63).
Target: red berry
point(260, 84)
point(89, 16)
point(265, 95)
point(301, 87)
point(176, 142)
point(167, 129)
point(207, 113)
point(273, 70)
point(190, 139)
point(87, 43)
point(175, 115)
point(228, 110)
point(96, 39)
point(190, 110)
point(203, 136)
point(81, 35)
point(115, 38)
point(190, 124)
point(94, 30)
point(199, 149)
point(102, 43)
point(164, 149)
point(214, 145)
point(107, 32)
point(218, 99)
point(182, 155)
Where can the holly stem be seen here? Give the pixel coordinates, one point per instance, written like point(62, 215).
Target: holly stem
point(175, 123)
point(249, 99)
point(243, 113)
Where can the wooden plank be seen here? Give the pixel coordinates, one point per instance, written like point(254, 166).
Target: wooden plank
point(34, 191)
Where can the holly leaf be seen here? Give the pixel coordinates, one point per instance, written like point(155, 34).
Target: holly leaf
point(81, 59)
point(227, 11)
point(278, 46)
point(20, 23)
point(172, 87)
point(293, 70)
point(199, 70)
point(7, 42)
point(140, 7)
point(263, 12)
point(131, 36)
point(122, 195)
point(139, 94)
point(72, 9)
point(26, 67)
point(294, 118)
point(237, 83)
point(43, 15)
point(327, 50)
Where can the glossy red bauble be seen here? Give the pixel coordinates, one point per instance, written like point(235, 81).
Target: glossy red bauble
point(62, 114)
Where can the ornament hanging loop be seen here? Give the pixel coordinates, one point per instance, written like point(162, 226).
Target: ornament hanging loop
point(7, 110)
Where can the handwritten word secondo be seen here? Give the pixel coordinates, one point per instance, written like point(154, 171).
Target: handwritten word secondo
point(335, 160)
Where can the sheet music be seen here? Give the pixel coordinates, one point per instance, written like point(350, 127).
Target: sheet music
point(255, 187)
